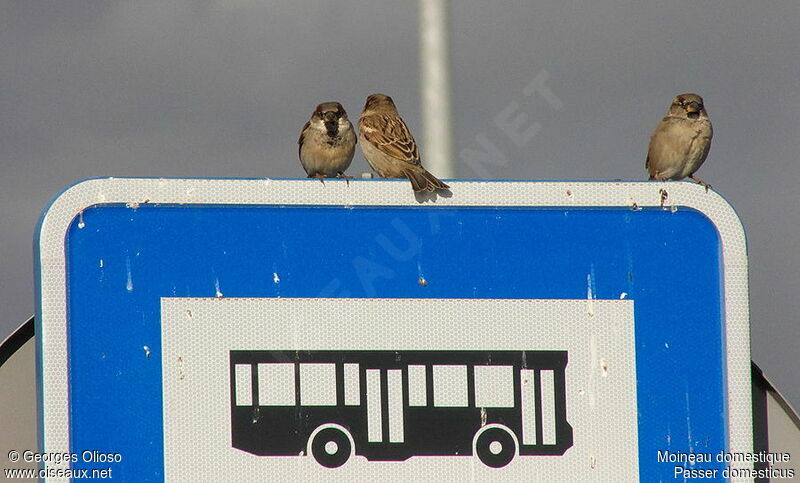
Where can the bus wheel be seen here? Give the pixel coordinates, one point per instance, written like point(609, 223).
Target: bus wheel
point(331, 447)
point(495, 447)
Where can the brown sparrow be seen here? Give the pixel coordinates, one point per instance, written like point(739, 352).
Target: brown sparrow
point(389, 147)
point(327, 142)
point(681, 141)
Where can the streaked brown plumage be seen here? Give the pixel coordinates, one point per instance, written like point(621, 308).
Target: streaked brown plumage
point(681, 141)
point(327, 142)
point(389, 147)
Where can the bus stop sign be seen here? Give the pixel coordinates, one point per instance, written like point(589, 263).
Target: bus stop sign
point(230, 329)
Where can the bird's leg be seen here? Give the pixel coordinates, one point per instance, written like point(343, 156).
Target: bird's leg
point(347, 178)
point(700, 181)
point(320, 177)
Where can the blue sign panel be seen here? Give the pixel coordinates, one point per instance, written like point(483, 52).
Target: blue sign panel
point(122, 257)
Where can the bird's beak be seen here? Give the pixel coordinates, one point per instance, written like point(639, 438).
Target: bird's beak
point(330, 116)
point(693, 108)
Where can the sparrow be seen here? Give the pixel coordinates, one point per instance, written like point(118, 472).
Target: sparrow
point(327, 142)
point(681, 141)
point(389, 147)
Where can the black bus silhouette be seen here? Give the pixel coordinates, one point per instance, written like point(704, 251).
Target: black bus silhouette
point(392, 405)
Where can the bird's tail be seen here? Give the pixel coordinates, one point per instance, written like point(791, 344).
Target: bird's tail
point(422, 180)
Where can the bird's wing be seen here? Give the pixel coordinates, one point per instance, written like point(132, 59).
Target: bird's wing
point(352, 130)
point(391, 136)
point(669, 145)
point(302, 136)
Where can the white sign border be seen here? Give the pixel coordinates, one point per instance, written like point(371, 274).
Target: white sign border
point(52, 230)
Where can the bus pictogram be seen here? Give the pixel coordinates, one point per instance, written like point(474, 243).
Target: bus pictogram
point(393, 405)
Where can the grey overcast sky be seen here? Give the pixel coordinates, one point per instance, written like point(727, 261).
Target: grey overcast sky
point(192, 88)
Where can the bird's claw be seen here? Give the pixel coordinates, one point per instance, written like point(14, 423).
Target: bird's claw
point(700, 182)
point(346, 178)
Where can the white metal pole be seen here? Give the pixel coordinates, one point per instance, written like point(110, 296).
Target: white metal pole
point(435, 87)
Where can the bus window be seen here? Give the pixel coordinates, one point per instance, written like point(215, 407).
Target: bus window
point(450, 386)
point(318, 384)
point(494, 386)
point(244, 385)
point(527, 378)
point(352, 385)
point(276, 384)
point(548, 407)
point(374, 416)
point(417, 393)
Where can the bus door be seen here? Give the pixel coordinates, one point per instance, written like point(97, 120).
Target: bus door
point(384, 405)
